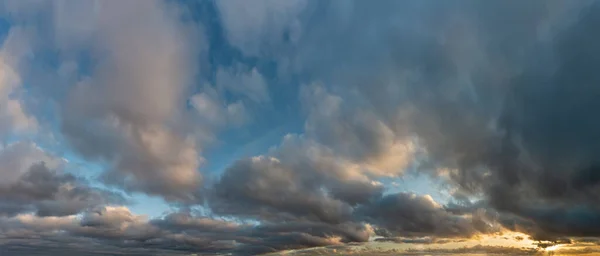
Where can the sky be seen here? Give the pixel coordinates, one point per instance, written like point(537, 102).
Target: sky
point(299, 127)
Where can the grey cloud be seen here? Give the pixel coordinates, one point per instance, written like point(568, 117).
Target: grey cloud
point(16, 159)
point(51, 194)
point(355, 134)
point(503, 108)
point(544, 167)
point(298, 180)
point(114, 230)
point(33, 182)
point(505, 105)
point(303, 181)
point(410, 215)
point(263, 188)
point(123, 100)
point(138, 85)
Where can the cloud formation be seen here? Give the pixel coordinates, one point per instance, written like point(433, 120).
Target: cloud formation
point(154, 93)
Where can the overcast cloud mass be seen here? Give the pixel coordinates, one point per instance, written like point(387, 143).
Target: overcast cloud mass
point(150, 127)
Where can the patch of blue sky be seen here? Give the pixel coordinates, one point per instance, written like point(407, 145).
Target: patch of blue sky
point(90, 170)
point(152, 206)
point(418, 184)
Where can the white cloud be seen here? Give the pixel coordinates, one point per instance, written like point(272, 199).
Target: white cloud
point(144, 61)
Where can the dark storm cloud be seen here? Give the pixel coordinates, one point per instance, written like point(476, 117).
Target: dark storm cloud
point(506, 106)
point(411, 215)
point(503, 106)
point(543, 166)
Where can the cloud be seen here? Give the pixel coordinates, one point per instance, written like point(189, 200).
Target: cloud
point(250, 84)
point(498, 112)
point(16, 159)
point(127, 71)
point(116, 230)
point(410, 215)
point(357, 135)
point(215, 112)
point(299, 180)
point(505, 106)
point(133, 95)
point(33, 182)
point(253, 28)
point(271, 190)
point(13, 114)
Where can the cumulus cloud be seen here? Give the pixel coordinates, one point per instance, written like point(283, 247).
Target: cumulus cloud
point(33, 182)
point(360, 136)
point(133, 95)
point(268, 188)
point(300, 180)
point(128, 67)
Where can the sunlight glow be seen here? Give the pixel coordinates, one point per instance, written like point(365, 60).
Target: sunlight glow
point(553, 248)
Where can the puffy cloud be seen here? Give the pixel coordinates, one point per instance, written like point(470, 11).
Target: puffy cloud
point(125, 72)
point(300, 179)
point(133, 97)
point(263, 188)
point(360, 136)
